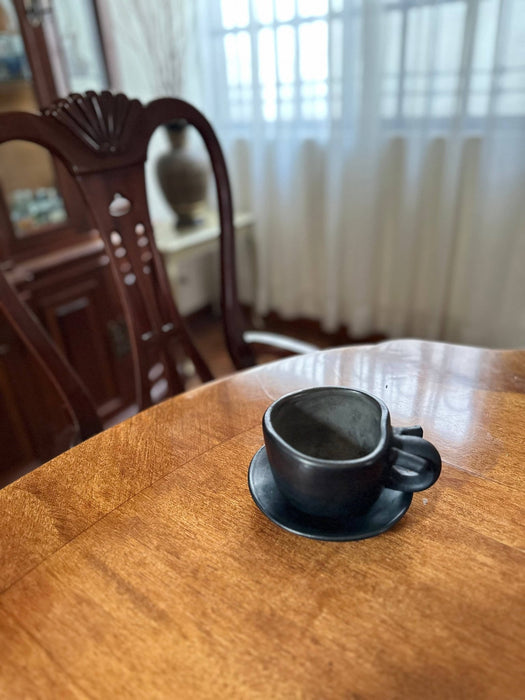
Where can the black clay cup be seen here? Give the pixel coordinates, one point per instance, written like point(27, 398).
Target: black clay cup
point(332, 450)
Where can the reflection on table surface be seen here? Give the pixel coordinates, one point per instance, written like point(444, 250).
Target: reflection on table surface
point(138, 561)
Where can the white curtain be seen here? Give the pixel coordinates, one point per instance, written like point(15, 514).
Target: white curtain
point(381, 148)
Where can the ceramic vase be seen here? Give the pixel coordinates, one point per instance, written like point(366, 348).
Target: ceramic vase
point(183, 177)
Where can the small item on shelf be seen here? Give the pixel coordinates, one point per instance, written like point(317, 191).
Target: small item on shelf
point(13, 61)
point(31, 209)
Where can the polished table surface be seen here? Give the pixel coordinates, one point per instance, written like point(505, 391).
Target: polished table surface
point(137, 564)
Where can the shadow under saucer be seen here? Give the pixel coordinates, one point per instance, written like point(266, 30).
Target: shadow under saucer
point(382, 515)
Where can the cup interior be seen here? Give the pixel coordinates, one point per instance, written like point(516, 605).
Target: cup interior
point(329, 423)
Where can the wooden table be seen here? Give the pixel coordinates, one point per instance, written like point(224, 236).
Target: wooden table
point(137, 565)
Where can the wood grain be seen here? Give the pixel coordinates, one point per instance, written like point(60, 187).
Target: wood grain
point(137, 565)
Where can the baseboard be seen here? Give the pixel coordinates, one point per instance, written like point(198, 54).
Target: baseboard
point(303, 328)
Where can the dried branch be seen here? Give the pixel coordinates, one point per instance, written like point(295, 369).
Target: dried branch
point(156, 32)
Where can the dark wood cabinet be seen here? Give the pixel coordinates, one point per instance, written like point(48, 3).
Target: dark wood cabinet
point(59, 267)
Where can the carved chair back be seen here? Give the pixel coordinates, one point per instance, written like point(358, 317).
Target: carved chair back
point(103, 139)
point(63, 377)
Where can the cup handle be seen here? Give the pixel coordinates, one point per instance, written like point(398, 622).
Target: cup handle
point(415, 463)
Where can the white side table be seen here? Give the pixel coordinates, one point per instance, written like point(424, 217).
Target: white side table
point(195, 279)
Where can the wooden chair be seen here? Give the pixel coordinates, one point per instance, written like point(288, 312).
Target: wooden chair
point(66, 381)
point(102, 139)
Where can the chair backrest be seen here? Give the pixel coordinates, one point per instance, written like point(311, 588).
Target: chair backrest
point(102, 139)
point(59, 371)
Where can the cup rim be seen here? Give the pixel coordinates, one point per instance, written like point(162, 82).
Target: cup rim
point(318, 461)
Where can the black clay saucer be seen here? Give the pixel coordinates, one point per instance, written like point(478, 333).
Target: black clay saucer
point(386, 511)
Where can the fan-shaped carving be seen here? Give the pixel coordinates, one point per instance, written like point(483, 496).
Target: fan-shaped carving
point(103, 121)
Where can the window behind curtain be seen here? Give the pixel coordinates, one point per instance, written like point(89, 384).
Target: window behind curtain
point(301, 60)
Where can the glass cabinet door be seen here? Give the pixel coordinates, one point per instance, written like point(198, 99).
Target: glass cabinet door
point(27, 174)
point(65, 55)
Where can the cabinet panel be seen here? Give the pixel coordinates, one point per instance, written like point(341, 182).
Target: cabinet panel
point(76, 318)
point(34, 423)
point(78, 305)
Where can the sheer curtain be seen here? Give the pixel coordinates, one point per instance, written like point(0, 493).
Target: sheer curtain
point(381, 148)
